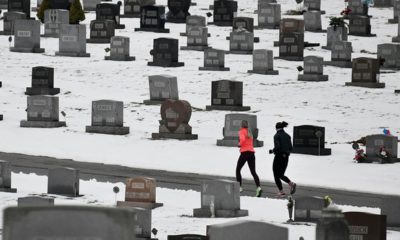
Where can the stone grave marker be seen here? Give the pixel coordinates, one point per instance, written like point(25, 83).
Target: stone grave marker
point(383, 3)
point(396, 12)
point(108, 118)
point(140, 192)
point(42, 112)
point(332, 225)
point(313, 5)
point(397, 38)
point(291, 39)
point(120, 49)
point(132, 7)
point(142, 222)
point(269, 16)
point(152, 19)
point(165, 53)
point(162, 87)
point(312, 21)
point(335, 34)
point(357, 7)
point(5, 177)
point(20, 6)
point(341, 54)
point(35, 201)
point(313, 70)
point(241, 42)
point(390, 52)
point(8, 22)
point(90, 5)
point(178, 10)
point(375, 143)
point(263, 62)
point(360, 26)
point(224, 12)
point(365, 73)
point(247, 229)
point(194, 21)
point(42, 82)
point(60, 4)
point(308, 209)
point(174, 124)
point(224, 195)
point(214, 60)
point(308, 139)
point(366, 226)
point(68, 222)
point(72, 41)
point(53, 19)
point(232, 127)
point(227, 95)
point(197, 39)
point(3, 4)
point(109, 11)
point(101, 31)
point(390, 206)
point(244, 23)
point(63, 181)
point(26, 36)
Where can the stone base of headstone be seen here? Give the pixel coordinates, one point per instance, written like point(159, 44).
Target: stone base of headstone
point(153, 102)
point(221, 24)
point(108, 130)
point(35, 201)
point(313, 151)
point(227, 108)
point(175, 19)
point(365, 84)
point(145, 205)
point(10, 190)
point(312, 77)
point(290, 58)
point(396, 39)
point(156, 30)
point(42, 91)
point(195, 48)
point(126, 58)
point(206, 213)
point(380, 160)
point(362, 34)
point(256, 39)
point(5, 33)
point(265, 72)
point(179, 136)
point(349, 16)
point(72, 54)
point(183, 34)
point(214, 69)
point(166, 64)
point(306, 44)
point(50, 35)
point(244, 52)
point(27, 50)
point(234, 143)
point(341, 64)
point(268, 27)
point(120, 26)
point(42, 124)
point(131, 15)
point(317, 30)
point(98, 40)
point(393, 21)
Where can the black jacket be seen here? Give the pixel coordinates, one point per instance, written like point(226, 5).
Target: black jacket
point(282, 143)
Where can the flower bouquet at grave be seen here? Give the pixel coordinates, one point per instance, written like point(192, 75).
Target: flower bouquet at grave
point(345, 11)
point(337, 22)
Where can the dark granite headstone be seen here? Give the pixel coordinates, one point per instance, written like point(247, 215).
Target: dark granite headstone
point(194, 21)
point(42, 82)
point(224, 12)
point(269, 16)
point(291, 39)
point(60, 4)
point(375, 143)
point(214, 60)
point(120, 49)
point(227, 95)
point(42, 112)
point(5, 177)
point(366, 226)
point(109, 11)
point(396, 12)
point(197, 39)
point(152, 19)
point(165, 53)
point(332, 225)
point(308, 209)
point(341, 54)
point(308, 139)
point(140, 192)
point(360, 26)
point(101, 31)
point(390, 52)
point(26, 36)
point(132, 7)
point(365, 73)
point(20, 6)
point(35, 201)
point(313, 70)
point(178, 10)
point(63, 181)
point(8, 22)
point(162, 87)
point(72, 41)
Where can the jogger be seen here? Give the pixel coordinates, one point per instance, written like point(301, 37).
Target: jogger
point(251, 162)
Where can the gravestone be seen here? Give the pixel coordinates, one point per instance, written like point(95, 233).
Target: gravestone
point(263, 62)
point(26, 36)
point(227, 95)
point(53, 19)
point(397, 38)
point(35, 201)
point(90, 5)
point(375, 143)
point(390, 52)
point(332, 225)
point(335, 34)
point(231, 129)
point(244, 23)
point(291, 39)
point(224, 12)
point(357, 8)
point(63, 181)
point(197, 39)
point(3, 4)
point(187, 237)
point(313, 5)
point(42, 112)
point(132, 7)
point(60, 4)
point(214, 60)
point(308, 209)
point(5, 177)
point(174, 123)
point(313, 70)
point(341, 54)
point(140, 192)
point(390, 206)
point(72, 41)
point(396, 12)
point(109, 11)
point(68, 222)
point(360, 26)
point(308, 139)
point(241, 42)
point(101, 31)
point(20, 6)
point(269, 16)
point(178, 10)
point(224, 195)
point(383, 3)
point(365, 73)
point(8, 22)
point(165, 53)
point(142, 222)
point(108, 118)
point(162, 87)
point(366, 226)
point(120, 49)
point(42, 82)
point(152, 19)
point(312, 21)
point(194, 21)
point(247, 229)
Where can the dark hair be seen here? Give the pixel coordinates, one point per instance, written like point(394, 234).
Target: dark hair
point(282, 124)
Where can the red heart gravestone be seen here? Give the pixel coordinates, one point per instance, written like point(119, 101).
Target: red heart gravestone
point(174, 113)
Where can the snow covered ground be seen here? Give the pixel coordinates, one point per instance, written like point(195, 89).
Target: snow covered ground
point(348, 113)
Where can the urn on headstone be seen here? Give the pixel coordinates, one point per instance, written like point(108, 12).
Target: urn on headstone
point(5, 177)
point(8, 22)
point(332, 225)
point(132, 7)
point(390, 52)
point(269, 15)
point(197, 39)
point(101, 31)
point(308, 209)
point(140, 192)
point(63, 181)
point(53, 19)
point(308, 139)
point(119, 49)
point(165, 53)
point(365, 73)
point(227, 95)
point(224, 12)
point(109, 11)
point(366, 226)
point(42, 82)
point(20, 6)
point(152, 19)
point(72, 41)
point(26, 36)
point(396, 12)
point(214, 60)
point(341, 54)
point(178, 10)
point(263, 62)
point(375, 144)
point(35, 201)
point(162, 87)
point(313, 70)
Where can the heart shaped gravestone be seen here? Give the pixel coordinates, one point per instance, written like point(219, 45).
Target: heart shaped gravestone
point(174, 113)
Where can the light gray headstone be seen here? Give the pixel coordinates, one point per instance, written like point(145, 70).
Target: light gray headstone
point(143, 222)
point(197, 36)
point(43, 108)
point(391, 53)
point(269, 15)
point(308, 208)
point(223, 193)
point(53, 18)
point(233, 122)
point(163, 87)
point(357, 7)
point(313, 5)
point(72, 39)
point(312, 21)
point(35, 201)
point(107, 113)
point(241, 41)
point(375, 142)
point(263, 60)
point(313, 65)
point(63, 181)
point(26, 34)
point(341, 51)
point(120, 47)
point(90, 5)
point(333, 35)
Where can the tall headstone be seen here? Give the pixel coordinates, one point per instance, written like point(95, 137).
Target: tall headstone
point(241, 42)
point(63, 181)
point(109, 11)
point(42, 112)
point(178, 10)
point(332, 225)
point(26, 36)
point(165, 53)
point(291, 39)
point(396, 12)
point(90, 5)
point(312, 21)
point(232, 126)
point(335, 34)
point(8, 22)
point(214, 60)
point(132, 7)
point(227, 95)
point(341, 54)
point(269, 16)
point(366, 226)
point(263, 62)
point(108, 118)
point(313, 70)
point(197, 39)
point(194, 21)
point(140, 192)
point(390, 206)
point(365, 73)
point(35, 201)
point(42, 82)
point(20, 6)
point(389, 52)
point(376, 143)
point(152, 19)
point(162, 87)
point(224, 12)
point(101, 31)
point(397, 38)
point(308, 209)
point(308, 139)
point(220, 198)
point(357, 8)
point(360, 26)
point(247, 229)
point(120, 50)
point(72, 41)
point(53, 19)
point(174, 124)
point(383, 3)
point(5, 177)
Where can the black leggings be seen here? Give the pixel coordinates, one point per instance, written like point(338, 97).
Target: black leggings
point(251, 161)
point(279, 167)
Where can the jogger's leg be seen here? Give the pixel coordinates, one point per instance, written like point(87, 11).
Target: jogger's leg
point(252, 166)
point(240, 164)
